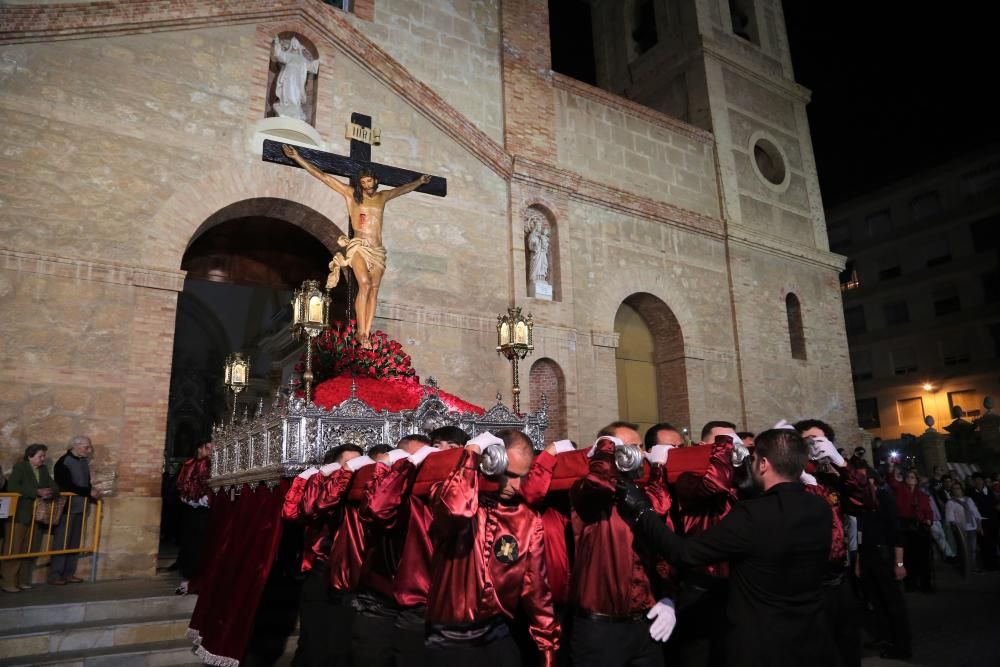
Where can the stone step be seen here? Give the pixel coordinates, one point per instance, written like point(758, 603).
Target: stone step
point(35, 615)
point(94, 636)
point(151, 654)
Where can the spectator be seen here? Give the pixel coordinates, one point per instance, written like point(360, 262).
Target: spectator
point(72, 473)
point(747, 438)
point(31, 479)
point(914, 507)
point(880, 566)
point(963, 514)
point(986, 503)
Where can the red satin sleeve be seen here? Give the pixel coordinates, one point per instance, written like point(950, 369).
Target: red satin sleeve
point(595, 492)
point(457, 497)
point(385, 496)
point(536, 599)
point(322, 494)
point(717, 480)
point(856, 492)
point(657, 491)
point(291, 507)
point(535, 484)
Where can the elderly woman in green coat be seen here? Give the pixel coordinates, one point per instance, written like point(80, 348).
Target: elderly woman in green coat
point(32, 480)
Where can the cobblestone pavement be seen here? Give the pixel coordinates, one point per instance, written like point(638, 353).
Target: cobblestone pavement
point(956, 626)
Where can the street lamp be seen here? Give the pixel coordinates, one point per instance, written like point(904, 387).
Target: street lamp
point(310, 318)
point(514, 341)
point(236, 377)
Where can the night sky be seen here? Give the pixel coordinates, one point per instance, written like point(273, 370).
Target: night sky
point(896, 87)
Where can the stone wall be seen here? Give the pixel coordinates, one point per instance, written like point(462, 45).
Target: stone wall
point(453, 47)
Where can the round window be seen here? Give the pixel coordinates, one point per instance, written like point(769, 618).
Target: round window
point(769, 162)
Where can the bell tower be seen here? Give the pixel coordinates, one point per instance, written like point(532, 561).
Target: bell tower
point(724, 66)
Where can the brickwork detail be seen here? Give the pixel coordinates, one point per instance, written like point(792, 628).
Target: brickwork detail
point(547, 378)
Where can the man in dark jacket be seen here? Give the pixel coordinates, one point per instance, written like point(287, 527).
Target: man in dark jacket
point(72, 473)
point(777, 546)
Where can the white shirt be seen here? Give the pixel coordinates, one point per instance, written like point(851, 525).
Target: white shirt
point(962, 511)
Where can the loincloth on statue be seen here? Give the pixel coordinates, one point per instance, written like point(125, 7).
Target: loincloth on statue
point(373, 255)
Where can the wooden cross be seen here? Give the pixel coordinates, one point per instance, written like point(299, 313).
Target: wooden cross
point(361, 155)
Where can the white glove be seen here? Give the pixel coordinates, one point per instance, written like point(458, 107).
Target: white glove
point(593, 448)
point(203, 501)
point(563, 446)
point(823, 448)
point(329, 469)
point(417, 457)
point(485, 440)
point(397, 455)
point(785, 425)
point(740, 451)
point(359, 462)
point(658, 454)
point(664, 619)
point(308, 472)
point(807, 479)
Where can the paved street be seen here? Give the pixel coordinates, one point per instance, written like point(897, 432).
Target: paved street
point(957, 626)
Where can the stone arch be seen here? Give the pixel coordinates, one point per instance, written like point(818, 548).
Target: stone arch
point(659, 370)
point(546, 377)
point(535, 213)
point(252, 188)
point(796, 332)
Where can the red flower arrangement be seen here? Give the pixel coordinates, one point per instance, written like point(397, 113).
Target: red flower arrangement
point(336, 352)
point(384, 374)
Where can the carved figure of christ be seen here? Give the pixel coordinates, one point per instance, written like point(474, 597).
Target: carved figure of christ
point(364, 254)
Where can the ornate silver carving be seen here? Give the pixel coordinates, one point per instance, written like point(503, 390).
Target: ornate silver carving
point(293, 436)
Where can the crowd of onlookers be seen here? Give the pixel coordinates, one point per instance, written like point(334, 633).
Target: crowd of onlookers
point(42, 513)
point(959, 517)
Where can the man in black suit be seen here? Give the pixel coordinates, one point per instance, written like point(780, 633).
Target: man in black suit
point(777, 546)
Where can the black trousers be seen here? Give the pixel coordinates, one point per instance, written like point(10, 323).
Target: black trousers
point(372, 640)
point(194, 526)
point(917, 556)
point(840, 608)
point(699, 640)
point(886, 596)
point(988, 544)
point(500, 653)
point(325, 619)
point(408, 638)
point(599, 644)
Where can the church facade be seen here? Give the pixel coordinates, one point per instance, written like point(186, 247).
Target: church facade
point(678, 195)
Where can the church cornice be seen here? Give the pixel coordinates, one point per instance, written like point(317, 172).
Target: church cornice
point(631, 108)
point(605, 196)
point(786, 87)
point(785, 249)
point(76, 268)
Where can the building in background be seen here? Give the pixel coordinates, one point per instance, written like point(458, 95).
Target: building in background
point(921, 294)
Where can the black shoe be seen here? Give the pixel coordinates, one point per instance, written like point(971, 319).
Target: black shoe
point(896, 654)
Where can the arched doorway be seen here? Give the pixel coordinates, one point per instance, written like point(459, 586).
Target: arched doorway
point(649, 363)
point(242, 264)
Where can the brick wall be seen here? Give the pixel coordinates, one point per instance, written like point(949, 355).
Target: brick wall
point(547, 378)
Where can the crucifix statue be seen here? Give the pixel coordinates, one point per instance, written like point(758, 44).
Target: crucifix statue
point(364, 253)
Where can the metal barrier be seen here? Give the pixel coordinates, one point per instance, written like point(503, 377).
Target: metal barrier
point(42, 534)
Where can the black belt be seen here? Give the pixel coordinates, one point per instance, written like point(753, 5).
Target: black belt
point(611, 618)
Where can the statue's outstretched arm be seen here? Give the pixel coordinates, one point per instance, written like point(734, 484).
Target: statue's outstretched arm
point(293, 155)
point(409, 187)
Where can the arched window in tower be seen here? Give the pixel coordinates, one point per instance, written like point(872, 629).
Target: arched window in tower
point(547, 378)
point(541, 254)
point(291, 79)
point(796, 334)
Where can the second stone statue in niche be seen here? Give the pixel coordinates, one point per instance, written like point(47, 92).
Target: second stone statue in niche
point(290, 87)
point(537, 230)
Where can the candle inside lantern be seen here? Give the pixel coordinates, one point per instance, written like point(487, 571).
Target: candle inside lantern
point(504, 334)
point(316, 309)
point(521, 333)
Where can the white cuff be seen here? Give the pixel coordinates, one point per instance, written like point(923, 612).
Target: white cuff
point(308, 472)
point(397, 455)
point(359, 462)
point(329, 469)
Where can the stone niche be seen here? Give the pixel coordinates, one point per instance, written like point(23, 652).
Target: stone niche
point(292, 83)
point(541, 254)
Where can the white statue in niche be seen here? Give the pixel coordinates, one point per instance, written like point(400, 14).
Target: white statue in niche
point(290, 87)
point(537, 230)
